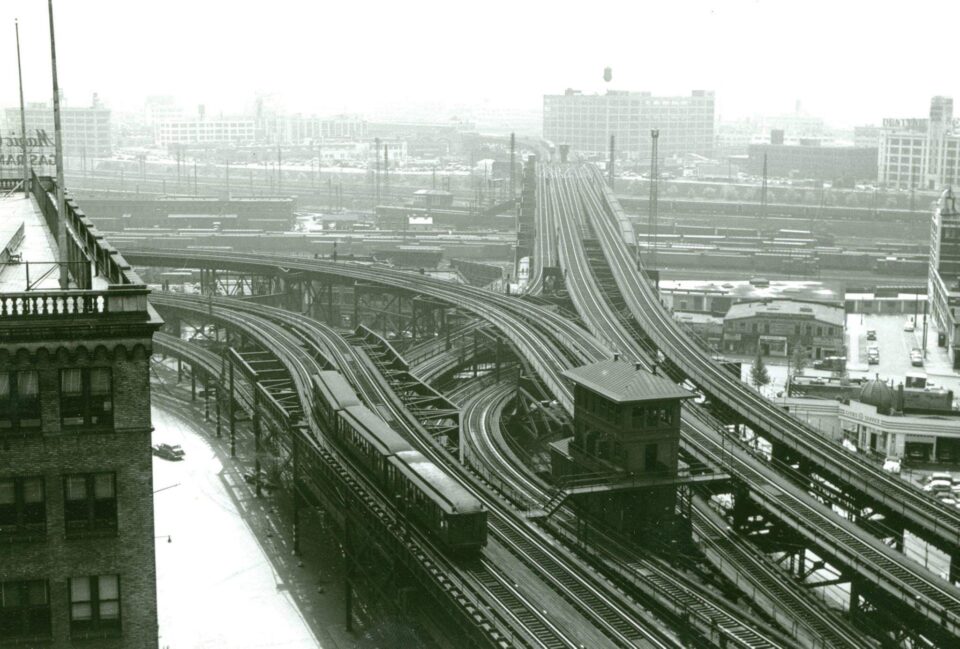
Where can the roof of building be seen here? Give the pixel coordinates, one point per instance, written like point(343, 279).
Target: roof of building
point(829, 313)
point(622, 382)
point(877, 393)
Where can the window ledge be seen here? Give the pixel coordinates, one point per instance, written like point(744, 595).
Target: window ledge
point(96, 533)
point(22, 536)
point(28, 640)
point(86, 636)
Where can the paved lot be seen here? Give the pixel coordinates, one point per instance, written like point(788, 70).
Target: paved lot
point(895, 345)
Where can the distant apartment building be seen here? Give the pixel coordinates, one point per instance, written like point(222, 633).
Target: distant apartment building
point(86, 130)
point(586, 122)
point(238, 130)
point(944, 274)
point(777, 327)
point(921, 153)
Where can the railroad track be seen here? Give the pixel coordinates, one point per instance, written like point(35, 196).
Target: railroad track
point(913, 584)
point(935, 518)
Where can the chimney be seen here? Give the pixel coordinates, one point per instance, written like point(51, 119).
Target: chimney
point(616, 356)
point(654, 369)
point(638, 366)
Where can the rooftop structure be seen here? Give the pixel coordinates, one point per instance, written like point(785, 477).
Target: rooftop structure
point(76, 492)
point(624, 383)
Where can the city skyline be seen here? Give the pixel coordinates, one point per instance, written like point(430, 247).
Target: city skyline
point(302, 57)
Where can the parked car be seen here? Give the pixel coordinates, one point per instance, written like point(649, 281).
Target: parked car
point(873, 355)
point(938, 486)
point(916, 357)
point(871, 334)
point(172, 452)
point(909, 326)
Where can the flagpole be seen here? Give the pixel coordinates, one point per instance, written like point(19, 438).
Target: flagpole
point(23, 120)
point(58, 143)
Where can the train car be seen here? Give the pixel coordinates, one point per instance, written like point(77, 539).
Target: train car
point(368, 439)
point(437, 502)
point(332, 393)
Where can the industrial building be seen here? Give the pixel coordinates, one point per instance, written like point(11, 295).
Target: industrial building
point(843, 165)
point(76, 481)
point(777, 327)
point(921, 153)
point(86, 129)
point(586, 122)
point(944, 274)
point(238, 130)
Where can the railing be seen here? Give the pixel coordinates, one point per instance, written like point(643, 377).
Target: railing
point(12, 245)
point(71, 303)
point(84, 240)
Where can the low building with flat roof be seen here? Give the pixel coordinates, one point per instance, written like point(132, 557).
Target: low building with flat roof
point(777, 327)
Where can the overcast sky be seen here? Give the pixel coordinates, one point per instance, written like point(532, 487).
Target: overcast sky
point(847, 61)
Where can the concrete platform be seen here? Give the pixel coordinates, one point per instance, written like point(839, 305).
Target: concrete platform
point(39, 245)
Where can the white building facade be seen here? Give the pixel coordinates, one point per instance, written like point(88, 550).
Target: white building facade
point(586, 122)
point(921, 153)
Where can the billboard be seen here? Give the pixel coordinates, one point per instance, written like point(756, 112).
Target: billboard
point(40, 150)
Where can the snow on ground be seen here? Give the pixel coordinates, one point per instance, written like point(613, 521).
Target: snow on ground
point(215, 585)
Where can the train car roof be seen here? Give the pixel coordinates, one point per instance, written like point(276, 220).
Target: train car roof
point(337, 388)
point(452, 496)
point(367, 423)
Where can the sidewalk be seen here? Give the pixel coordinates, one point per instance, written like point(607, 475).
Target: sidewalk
point(234, 551)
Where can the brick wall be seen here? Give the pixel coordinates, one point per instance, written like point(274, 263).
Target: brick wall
point(52, 454)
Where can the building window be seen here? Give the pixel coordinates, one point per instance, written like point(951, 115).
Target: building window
point(90, 504)
point(23, 508)
point(86, 397)
point(19, 401)
point(95, 605)
point(24, 610)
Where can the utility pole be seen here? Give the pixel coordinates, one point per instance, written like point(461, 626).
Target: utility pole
point(376, 172)
point(610, 170)
point(763, 190)
point(513, 170)
point(279, 170)
point(654, 179)
point(386, 167)
point(58, 155)
point(23, 120)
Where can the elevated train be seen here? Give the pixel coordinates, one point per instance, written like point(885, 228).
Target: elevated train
point(427, 496)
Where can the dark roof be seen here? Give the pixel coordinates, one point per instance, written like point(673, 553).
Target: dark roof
point(622, 382)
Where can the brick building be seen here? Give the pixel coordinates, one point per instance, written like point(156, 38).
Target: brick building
point(776, 327)
point(622, 464)
point(76, 482)
point(944, 273)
